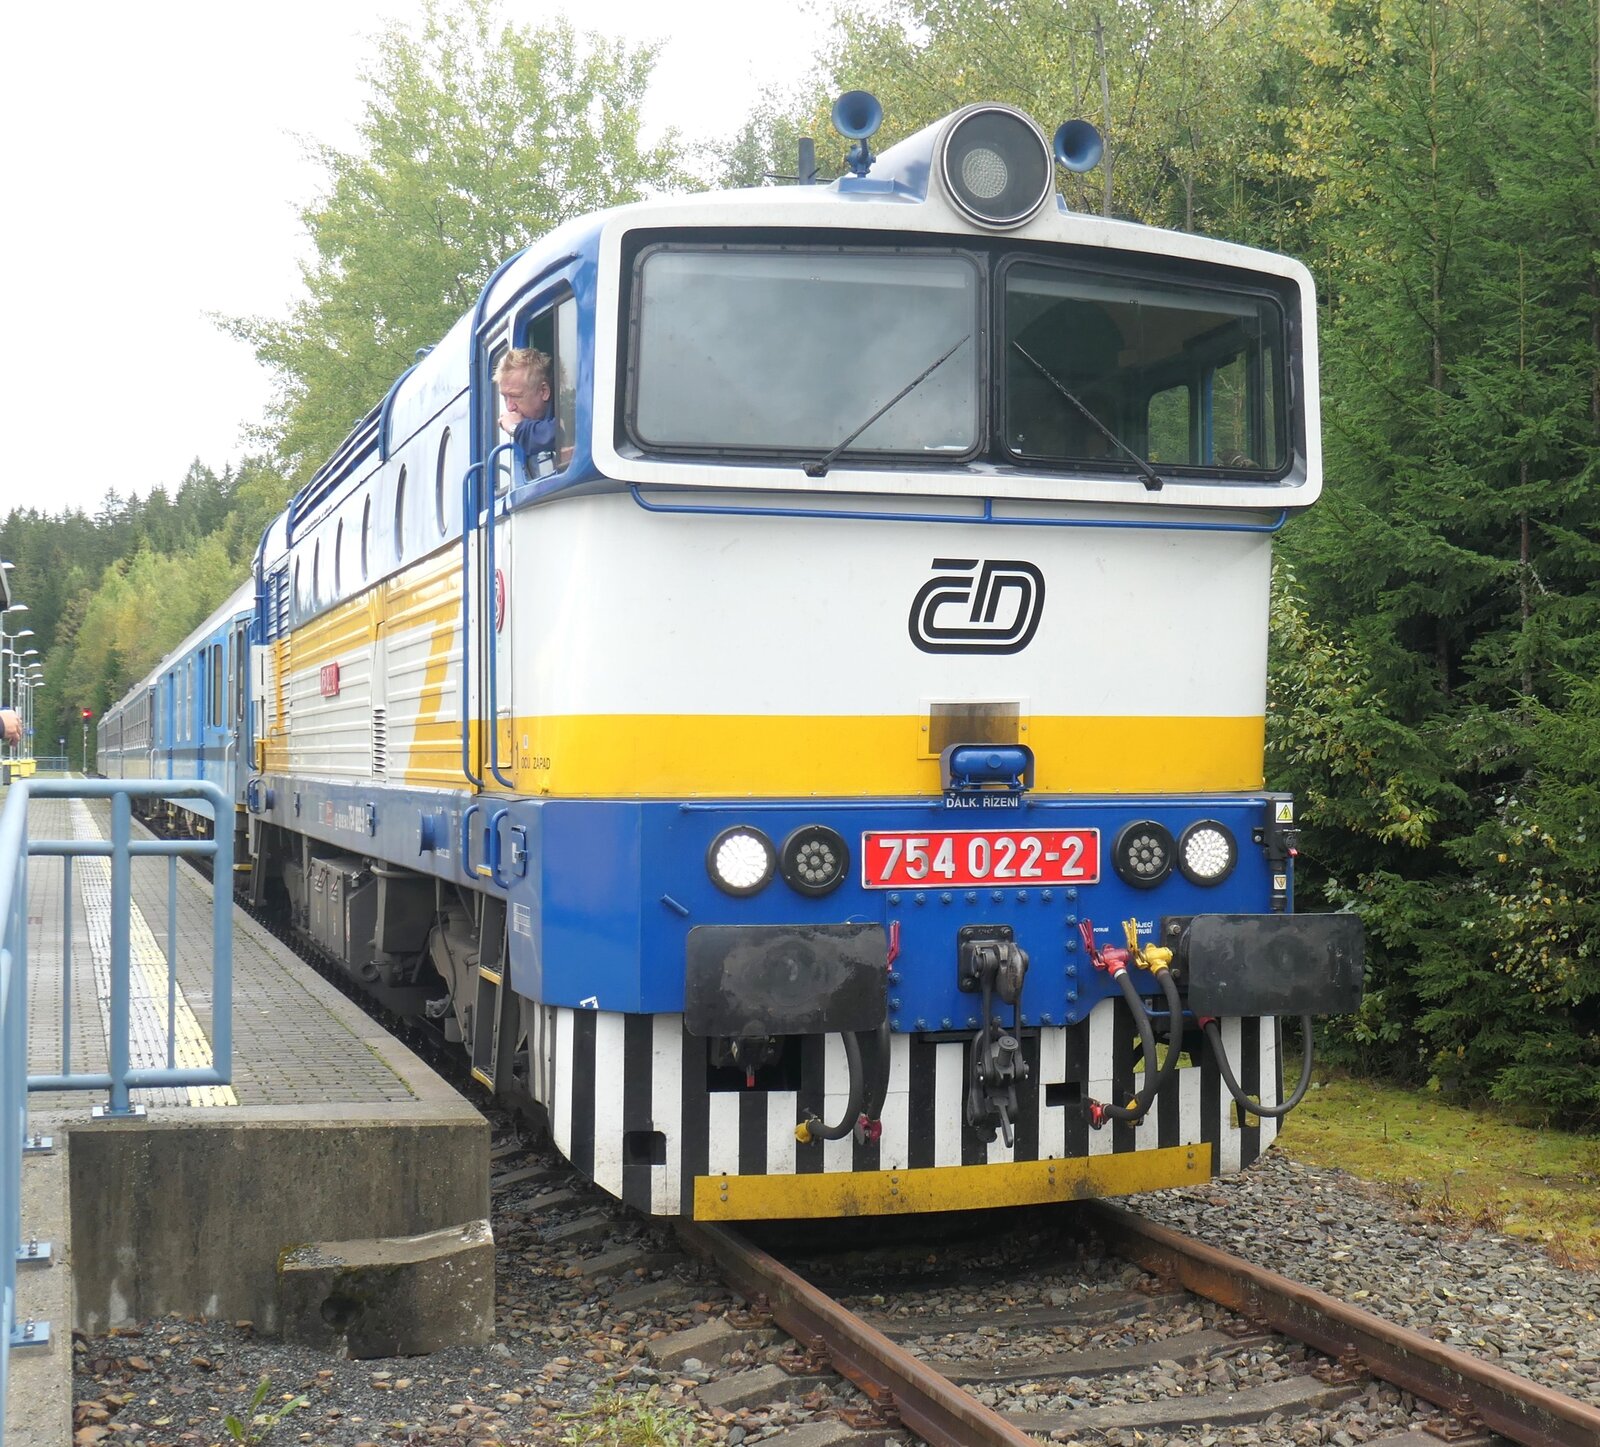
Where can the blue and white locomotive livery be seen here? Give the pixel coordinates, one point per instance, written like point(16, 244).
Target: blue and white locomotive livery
point(833, 782)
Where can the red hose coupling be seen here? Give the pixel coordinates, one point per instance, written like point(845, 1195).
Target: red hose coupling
point(868, 1132)
point(1097, 1115)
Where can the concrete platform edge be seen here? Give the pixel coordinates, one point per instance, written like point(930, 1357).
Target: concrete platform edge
point(39, 1402)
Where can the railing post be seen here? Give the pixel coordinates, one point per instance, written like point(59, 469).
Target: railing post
point(121, 985)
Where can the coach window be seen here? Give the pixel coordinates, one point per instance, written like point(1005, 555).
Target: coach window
point(440, 484)
point(216, 685)
point(338, 559)
point(400, 518)
point(241, 644)
point(316, 573)
point(366, 535)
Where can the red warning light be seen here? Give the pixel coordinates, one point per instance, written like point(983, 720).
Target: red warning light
point(88, 713)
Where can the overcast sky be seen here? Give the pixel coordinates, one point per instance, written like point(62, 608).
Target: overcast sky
point(155, 174)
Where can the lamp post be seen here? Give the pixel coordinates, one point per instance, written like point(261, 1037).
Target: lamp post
point(8, 657)
point(34, 682)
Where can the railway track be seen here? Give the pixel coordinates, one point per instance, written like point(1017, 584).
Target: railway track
point(916, 1370)
point(902, 1362)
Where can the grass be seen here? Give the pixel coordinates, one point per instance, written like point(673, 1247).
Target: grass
point(1463, 1165)
point(619, 1420)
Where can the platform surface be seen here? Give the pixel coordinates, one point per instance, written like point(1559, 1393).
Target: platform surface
point(332, 1129)
point(296, 1039)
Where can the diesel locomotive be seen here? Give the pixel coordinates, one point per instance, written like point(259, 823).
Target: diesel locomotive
point(831, 780)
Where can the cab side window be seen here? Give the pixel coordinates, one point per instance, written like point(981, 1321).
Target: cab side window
point(551, 330)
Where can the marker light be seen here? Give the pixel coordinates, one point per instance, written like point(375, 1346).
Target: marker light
point(996, 165)
point(740, 860)
point(1206, 852)
point(1143, 854)
point(814, 859)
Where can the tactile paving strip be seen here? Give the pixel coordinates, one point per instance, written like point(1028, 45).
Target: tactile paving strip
point(148, 984)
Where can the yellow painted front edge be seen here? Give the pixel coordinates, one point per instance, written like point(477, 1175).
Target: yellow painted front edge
point(946, 1188)
point(783, 756)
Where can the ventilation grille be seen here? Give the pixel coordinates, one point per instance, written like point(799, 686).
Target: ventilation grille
point(380, 743)
point(278, 619)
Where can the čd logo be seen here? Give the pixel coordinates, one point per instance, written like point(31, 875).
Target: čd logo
point(975, 606)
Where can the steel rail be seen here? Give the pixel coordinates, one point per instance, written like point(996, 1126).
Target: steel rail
point(1456, 1381)
point(929, 1404)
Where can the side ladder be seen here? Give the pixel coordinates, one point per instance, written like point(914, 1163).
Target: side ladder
point(494, 1020)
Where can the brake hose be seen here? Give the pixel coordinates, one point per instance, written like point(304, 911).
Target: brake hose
point(812, 1128)
point(1214, 1038)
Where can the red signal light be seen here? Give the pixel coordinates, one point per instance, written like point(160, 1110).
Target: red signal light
point(88, 713)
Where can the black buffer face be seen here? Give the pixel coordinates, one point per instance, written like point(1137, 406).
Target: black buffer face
point(750, 980)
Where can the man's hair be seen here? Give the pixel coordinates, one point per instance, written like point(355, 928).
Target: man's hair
point(530, 361)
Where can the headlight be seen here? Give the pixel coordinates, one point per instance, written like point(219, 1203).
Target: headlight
point(814, 859)
point(1143, 854)
point(996, 165)
point(1207, 853)
point(740, 860)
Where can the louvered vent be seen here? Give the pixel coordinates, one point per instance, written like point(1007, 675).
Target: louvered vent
point(280, 603)
point(380, 743)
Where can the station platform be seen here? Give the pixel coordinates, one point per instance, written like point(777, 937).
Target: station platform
point(331, 1130)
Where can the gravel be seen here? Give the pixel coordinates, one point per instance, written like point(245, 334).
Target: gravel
point(1497, 1297)
point(562, 1345)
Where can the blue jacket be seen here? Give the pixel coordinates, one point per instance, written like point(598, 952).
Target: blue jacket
point(536, 440)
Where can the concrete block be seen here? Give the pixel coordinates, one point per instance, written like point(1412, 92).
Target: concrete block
point(711, 1341)
point(750, 1389)
point(190, 1214)
point(620, 1260)
point(596, 1226)
point(663, 1292)
point(393, 1296)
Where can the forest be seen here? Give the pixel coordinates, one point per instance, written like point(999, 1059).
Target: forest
point(1434, 700)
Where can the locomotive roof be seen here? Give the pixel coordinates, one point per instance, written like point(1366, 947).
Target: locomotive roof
point(897, 195)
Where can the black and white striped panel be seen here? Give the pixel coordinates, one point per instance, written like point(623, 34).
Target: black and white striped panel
point(608, 1079)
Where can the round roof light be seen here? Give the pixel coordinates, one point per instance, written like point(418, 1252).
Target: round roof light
point(996, 165)
point(741, 860)
point(1207, 853)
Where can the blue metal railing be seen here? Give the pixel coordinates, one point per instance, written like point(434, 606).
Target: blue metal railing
point(13, 1062)
point(15, 1083)
point(122, 849)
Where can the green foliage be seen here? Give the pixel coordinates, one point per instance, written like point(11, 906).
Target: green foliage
point(108, 594)
point(257, 1424)
point(478, 134)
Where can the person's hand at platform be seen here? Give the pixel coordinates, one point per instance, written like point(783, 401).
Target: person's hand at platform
point(10, 726)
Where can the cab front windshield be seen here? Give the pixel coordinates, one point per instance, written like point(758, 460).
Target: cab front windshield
point(791, 351)
point(745, 351)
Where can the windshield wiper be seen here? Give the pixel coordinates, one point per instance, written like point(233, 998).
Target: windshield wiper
point(820, 467)
point(1152, 482)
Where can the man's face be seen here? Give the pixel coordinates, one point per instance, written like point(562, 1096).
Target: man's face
point(523, 395)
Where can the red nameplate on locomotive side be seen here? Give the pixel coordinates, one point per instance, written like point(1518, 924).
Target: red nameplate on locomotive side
point(963, 858)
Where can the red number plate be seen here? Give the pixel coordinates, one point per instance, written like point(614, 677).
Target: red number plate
point(983, 856)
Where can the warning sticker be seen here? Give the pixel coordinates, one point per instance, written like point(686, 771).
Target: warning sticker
point(1285, 814)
